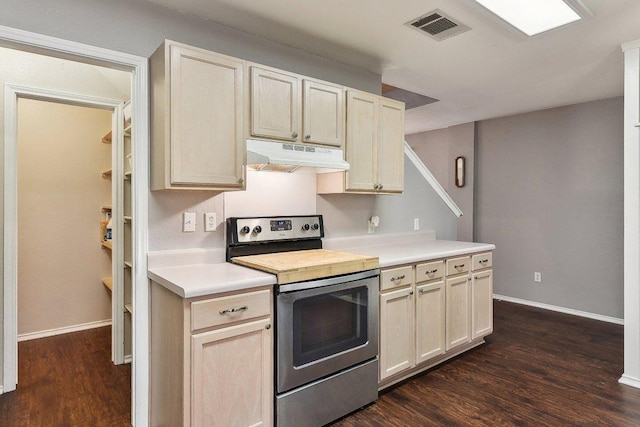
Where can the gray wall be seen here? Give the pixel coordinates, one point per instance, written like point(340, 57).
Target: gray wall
point(347, 214)
point(438, 150)
point(549, 194)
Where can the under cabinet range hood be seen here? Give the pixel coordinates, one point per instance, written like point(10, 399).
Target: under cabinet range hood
point(289, 157)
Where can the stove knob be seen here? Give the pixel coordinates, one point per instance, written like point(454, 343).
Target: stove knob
point(245, 230)
point(315, 226)
point(257, 229)
point(306, 227)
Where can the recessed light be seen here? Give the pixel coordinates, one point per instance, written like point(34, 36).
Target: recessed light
point(533, 16)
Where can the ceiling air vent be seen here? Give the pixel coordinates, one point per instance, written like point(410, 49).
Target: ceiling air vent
point(438, 25)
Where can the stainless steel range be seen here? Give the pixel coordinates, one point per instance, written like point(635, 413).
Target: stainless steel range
point(326, 317)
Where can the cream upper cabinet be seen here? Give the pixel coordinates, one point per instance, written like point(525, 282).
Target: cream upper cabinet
point(197, 119)
point(290, 107)
point(374, 147)
point(362, 134)
point(390, 162)
point(275, 105)
point(323, 113)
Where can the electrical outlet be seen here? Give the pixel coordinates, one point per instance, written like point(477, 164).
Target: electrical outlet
point(189, 222)
point(416, 224)
point(537, 277)
point(210, 221)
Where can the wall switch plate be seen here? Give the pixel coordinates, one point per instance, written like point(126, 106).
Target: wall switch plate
point(210, 221)
point(189, 222)
point(416, 224)
point(537, 277)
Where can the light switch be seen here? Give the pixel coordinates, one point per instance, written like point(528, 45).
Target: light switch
point(189, 222)
point(210, 221)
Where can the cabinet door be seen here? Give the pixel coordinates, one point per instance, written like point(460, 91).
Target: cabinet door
point(458, 311)
point(206, 116)
point(396, 332)
point(323, 113)
point(390, 161)
point(275, 105)
point(430, 321)
point(232, 376)
point(362, 130)
point(482, 303)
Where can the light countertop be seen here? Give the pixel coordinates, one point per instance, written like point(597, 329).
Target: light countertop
point(194, 280)
point(193, 273)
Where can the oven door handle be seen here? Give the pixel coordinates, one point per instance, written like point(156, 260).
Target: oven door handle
point(311, 284)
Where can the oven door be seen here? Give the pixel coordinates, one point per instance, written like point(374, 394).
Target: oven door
point(324, 326)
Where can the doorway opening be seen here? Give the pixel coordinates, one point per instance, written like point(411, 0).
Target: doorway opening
point(138, 71)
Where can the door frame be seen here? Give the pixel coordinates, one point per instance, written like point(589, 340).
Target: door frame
point(138, 67)
point(12, 93)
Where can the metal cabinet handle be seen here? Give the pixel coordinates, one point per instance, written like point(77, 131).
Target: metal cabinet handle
point(458, 266)
point(431, 271)
point(422, 292)
point(410, 292)
point(483, 261)
point(393, 279)
point(380, 186)
point(240, 180)
point(267, 326)
point(294, 135)
point(233, 310)
point(307, 137)
point(475, 277)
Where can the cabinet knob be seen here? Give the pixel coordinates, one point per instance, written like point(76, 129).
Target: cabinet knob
point(294, 135)
point(307, 137)
point(410, 292)
point(240, 180)
point(267, 326)
point(376, 187)
point(380, 186)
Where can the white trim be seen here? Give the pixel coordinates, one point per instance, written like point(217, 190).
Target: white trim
point(428, 176)
point(559, 309)
point(138, 66)
point(64, 330)
point(630, 381)
point(630, 45)
point(631, 212)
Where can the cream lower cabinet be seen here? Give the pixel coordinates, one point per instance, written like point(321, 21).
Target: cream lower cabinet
point(211, 361)
point(430, 321)
point(481, 296)
point(432, 311)
point(396, 331)
point(197, 119)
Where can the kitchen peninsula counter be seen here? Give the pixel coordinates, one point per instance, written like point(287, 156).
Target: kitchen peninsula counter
point(405, 248)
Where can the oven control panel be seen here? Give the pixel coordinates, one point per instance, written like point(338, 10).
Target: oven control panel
point(267, 229)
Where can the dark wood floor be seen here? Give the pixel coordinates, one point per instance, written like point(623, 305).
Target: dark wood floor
point(68, 380)
point(539, 368)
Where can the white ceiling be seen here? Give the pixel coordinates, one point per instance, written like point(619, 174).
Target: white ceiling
point(490, 71)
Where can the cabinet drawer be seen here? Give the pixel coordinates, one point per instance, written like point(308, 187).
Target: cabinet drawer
point(458, 265)
point(233, 308)
point(481, 261)
point(396, 278)
point(429, 271)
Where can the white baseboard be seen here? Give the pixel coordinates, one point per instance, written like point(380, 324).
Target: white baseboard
point(560, 309)
point(64, 330)
point(630, 381)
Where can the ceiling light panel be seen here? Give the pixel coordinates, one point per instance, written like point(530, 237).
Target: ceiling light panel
point(532, 16)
